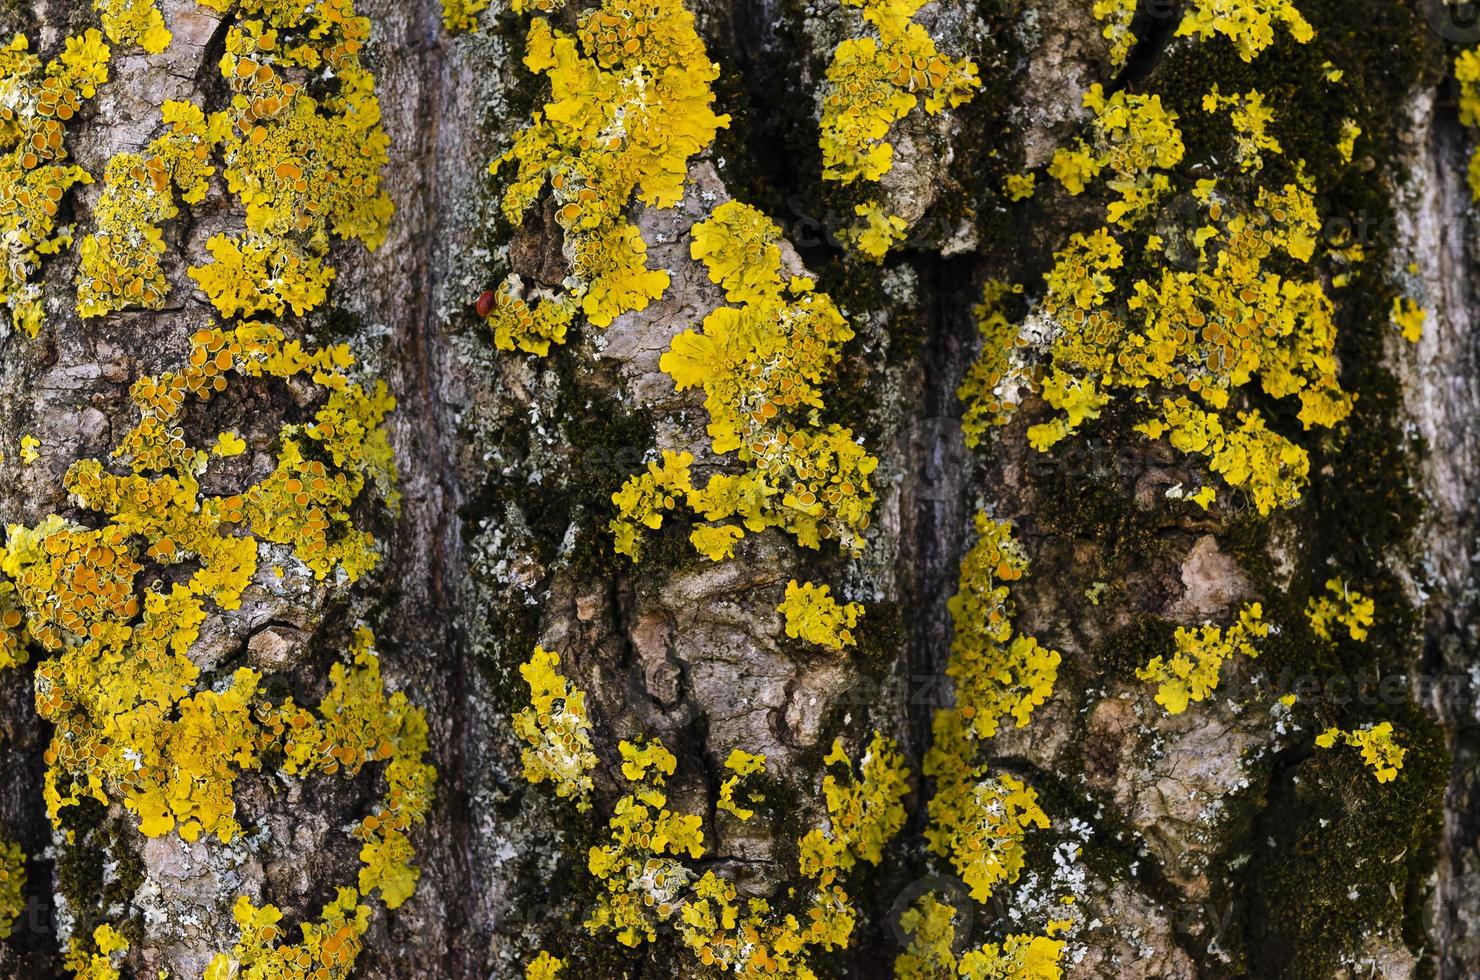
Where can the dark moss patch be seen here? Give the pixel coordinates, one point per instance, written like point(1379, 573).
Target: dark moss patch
point(1132, 645)
point(1336, 852)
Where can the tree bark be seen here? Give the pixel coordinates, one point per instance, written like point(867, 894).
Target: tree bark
point(1219, 842)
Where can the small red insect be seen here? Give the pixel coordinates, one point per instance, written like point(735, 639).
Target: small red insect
point(485, 302)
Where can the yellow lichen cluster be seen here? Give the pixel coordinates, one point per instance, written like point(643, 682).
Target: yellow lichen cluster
point(864, 809)
point(1181, 343)
point(761, 365)
point(1132, 136)
point(813, 615)
point(1251, 119)
point(134, 22)
point(741, 764)
point(1233, 295)
point(1117, 16)
point(1380, 750)
point(36, 102)
point(630, 105)
point(119, 264)
point(462, 15)
point(1409, 318)
point(874, 82)
point(357, 723)
point(649, 885)
point(327, 952)
point(1345, 606)
point(556, 730)
point(1020, 187)
point(645, 867)
point(118, 685)
point(876, 233)
point(305, 166)
point(995, 381)
point(1191, 673)
point(1467, 73)
point(978, 818)
point(97, 960)
point(12, 885)
point(931, 953)
point(117, 602)
point(544, 967)
point(996, 672)
point(1248, 24)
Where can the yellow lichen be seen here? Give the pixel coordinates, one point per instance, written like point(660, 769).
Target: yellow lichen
point(931, 953)
point(12, 885)
point(629, 105)
point(873, 82)
point(555, 730)
point(1345, 606)
point(133, 724)
point(35, 105)
point(996, 672)
point(544, 967)
point(1409, 318)
point(1248, 24)
point(1019, 187)
point(118, 685)
point(462, 15)
point(1132, 136)
point(327, 951)
point(134, 22)
point(1380, 750)
point(1117, 16)
point(1467, 74)
point(1181, 342)
point(814, 616)
point(864, 810)
point(979, 818)
point(1347, 141)
point(1251, 119)
point(740, 764)
point(120, 261)
point(650, 884)
point(1192, 672)
point(101, 961)
point(304, 166)
point(877, 233)
point(996, 379)
point(256, 275)
point(229, 444)
point(761, 366)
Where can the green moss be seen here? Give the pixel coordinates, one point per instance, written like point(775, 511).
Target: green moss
point(1132, 645)
point(1337, 853)
point(79, 867)
point(1084, 495)
point(883, 634)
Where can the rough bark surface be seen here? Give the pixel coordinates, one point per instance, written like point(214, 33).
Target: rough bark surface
point(1208, 840)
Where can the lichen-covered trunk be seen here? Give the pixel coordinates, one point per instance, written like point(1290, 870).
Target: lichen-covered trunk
point(694, 488)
